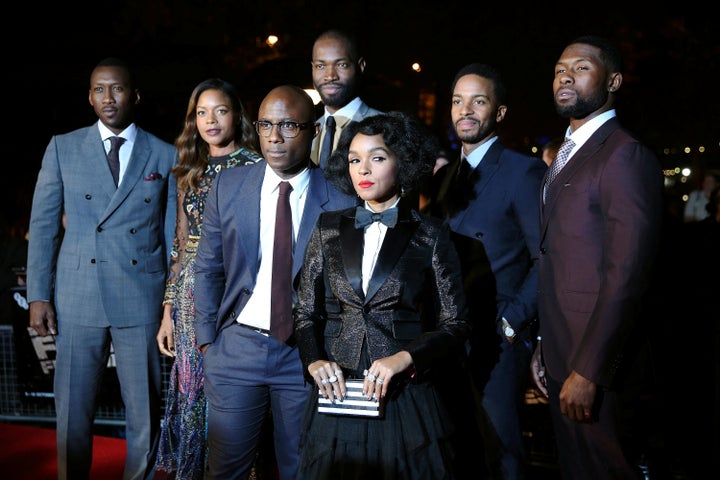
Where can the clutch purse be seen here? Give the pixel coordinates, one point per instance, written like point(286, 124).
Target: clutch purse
point(354, 404)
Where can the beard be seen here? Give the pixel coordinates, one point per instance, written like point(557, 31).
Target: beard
point(473, 137)
point(583, 106)
point(347, 92)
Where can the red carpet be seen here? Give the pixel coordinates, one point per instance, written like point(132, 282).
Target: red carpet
point(29, 453)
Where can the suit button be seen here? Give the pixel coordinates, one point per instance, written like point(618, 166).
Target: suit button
point(133, 262)
point(366, 309)
point(148, 200)
point(99, 229)
point(133, 231)
point(88, 196)
point(92, 260)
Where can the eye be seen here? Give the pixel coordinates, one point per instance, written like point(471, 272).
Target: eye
point(343, 65)
point(200, 113)
point(319, 66)
point(353, 160)
point(223, 111)
point(264, 125)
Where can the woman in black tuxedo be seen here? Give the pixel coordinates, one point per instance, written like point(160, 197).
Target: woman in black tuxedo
point(380, 299)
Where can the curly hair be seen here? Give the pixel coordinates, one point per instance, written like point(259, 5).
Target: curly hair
point(414, 146)
point(193, 151)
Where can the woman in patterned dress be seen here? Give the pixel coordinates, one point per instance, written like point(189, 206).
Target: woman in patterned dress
point(217, 134)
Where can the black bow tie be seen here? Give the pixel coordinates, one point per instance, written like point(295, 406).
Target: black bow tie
point(364, 217)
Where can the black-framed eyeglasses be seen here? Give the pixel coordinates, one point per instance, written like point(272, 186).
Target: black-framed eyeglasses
point(287, 129)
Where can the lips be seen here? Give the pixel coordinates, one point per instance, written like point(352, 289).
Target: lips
point(564, 94)
point(365, 184)
point(331, 89)
point(213, 131)
point(466, 124)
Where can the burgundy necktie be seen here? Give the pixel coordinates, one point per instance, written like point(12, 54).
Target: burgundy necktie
point(113, 157)
point(327, 144)
point(281, 322)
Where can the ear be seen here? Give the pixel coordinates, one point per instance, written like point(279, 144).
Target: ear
point(500, 115)
point(317, 129)
point(614, 82)
point(137, 96)
point(361, 64)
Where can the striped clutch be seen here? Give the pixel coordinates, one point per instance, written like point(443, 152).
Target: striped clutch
point(355, 403)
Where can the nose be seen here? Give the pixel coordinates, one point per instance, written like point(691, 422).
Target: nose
point(331, 73)
point(364, 167)
point(274, 135)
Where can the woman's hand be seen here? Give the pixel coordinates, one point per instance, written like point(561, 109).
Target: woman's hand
point(381, 372)
point(329, 379)
point(165, 336)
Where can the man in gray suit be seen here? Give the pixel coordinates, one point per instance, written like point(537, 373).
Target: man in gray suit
point(97, 260)
point(337, 68)
point(249, 366)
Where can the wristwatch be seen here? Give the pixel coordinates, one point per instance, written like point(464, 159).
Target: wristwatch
point(508, 330)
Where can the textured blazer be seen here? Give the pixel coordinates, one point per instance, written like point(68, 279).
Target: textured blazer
point(227, 260)
point(417, 267)
point(496, 230)
point(600, 230)
point(362, 112)
point(109, 264)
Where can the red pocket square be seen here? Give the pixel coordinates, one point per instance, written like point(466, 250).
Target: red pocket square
point(154, 176)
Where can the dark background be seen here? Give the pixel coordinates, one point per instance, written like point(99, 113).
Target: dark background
point(669, 97)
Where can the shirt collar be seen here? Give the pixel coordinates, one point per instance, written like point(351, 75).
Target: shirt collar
point(128, 134)
point(349, 110)
point(477, 155)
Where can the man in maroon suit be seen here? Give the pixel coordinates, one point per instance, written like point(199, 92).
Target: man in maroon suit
point(600, 221)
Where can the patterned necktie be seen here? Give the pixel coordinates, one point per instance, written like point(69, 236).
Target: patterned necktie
point(281, 322)
point(327, 143)
point(113, 157)
point(364, 217)
point(558, 163)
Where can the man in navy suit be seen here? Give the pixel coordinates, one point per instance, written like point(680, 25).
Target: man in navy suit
point(490, 199)
point(337, 72)
point(247, 369)
point(97, 260)
point(600, 228)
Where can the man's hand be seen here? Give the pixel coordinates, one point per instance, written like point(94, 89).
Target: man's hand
point(577, 396)
point(42, 318)
point(538, 370)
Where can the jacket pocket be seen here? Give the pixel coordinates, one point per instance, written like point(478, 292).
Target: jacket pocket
point(406, 326)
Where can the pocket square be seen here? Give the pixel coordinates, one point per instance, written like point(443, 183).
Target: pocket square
point(153, 176)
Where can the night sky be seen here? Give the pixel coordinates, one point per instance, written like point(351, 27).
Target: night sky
point(670, 96)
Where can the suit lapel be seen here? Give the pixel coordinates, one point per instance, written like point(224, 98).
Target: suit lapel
point(351, 246)
point(396, 239)
point(481, 177)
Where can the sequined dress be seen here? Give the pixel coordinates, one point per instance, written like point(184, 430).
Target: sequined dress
point(183, 432)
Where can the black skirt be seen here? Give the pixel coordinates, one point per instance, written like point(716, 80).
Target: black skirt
point(411, 441)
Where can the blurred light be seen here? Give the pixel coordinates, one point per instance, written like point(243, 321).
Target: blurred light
point(534, 149)
point(314, 95)
point(701, 149)
point(271, 40)
point(416, 66)
point(687, 149)
point(686, 172)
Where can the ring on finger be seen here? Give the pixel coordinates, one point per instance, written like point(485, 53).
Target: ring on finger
point(338, 372)
point(324, 381)
point(379, 381)
point(332, 379)
point(371, 377)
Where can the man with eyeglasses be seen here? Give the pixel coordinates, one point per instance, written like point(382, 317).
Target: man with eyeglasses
point(251, 365)
point(337, 68)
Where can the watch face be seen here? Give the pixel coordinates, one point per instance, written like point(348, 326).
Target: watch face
point(509, 332)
